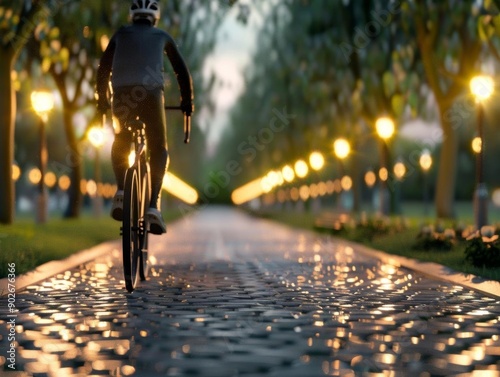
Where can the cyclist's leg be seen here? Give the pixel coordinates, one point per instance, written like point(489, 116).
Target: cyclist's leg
point(120, 148)
point(122, 111)
point(153, 114)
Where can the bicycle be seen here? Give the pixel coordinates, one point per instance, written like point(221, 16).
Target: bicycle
point(136, 198)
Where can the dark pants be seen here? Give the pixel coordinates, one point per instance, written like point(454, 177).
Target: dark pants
point(128, 104)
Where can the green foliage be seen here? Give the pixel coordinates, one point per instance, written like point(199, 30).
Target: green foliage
point(29, 245)
point(483, 251)
point(431, 239)
point(367, 229)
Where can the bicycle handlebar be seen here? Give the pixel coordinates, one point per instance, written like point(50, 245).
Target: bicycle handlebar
point(187, 123)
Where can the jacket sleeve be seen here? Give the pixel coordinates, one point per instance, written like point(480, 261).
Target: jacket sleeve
point(104, 69)
point(181, 71)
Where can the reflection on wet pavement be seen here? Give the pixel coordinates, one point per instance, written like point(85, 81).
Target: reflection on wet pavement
point(229, 295)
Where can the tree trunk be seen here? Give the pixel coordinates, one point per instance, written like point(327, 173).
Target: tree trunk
point(7, 121)
point(74, 161)
point(447, 170)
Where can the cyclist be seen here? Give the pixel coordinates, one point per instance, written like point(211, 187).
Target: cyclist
point(134, 60)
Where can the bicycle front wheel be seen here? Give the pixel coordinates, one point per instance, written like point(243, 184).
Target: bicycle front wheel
point(131, 229)
point(146, 197)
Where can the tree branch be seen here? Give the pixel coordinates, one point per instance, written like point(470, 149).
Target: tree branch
point(79, 86)
point(493, 49)
point(28, 19)
point(426, 39)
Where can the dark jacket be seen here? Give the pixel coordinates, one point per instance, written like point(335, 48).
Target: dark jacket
point(134, 56)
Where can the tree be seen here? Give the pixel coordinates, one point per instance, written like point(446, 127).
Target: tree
point(17, 22)
point(67, 47)
point(447, 38)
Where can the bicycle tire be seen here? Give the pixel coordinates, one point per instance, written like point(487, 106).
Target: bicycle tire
point(146, 195)
point(131, 229)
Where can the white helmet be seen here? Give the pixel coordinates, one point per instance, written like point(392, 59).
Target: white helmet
point(145, 9)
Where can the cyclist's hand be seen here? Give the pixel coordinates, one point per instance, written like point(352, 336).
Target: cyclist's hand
point(187, 107)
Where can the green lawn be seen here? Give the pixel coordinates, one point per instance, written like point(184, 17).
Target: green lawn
point(29, 245)
point(401, 242)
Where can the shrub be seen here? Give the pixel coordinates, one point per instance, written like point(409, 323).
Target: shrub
point(430, 238)
point(483, 249)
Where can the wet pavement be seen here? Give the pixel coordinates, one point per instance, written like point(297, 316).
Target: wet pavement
point(231, 295)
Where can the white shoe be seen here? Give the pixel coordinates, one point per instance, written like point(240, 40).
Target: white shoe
point(156, 223)
point(117, 206)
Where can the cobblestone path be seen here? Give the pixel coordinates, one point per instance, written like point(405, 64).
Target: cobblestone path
point(230, 295)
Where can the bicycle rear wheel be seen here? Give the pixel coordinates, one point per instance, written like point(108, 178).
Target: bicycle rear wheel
point(131, 229)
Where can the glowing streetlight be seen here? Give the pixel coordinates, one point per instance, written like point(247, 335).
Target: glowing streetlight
point(64, 183)
point(476, 145)
point(384, 127)
point(346, 183)
point(288, 173)
point(370, 178)
point(385, 130)
point(316, 160)
point(425, 162)
point(43, 103)
point(399, 170)
point(16, 172)
point(95, 135)
point(482, 88)
point(301, 168)
point(341, 148)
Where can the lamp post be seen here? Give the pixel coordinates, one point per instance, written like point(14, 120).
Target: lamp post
point(43, 103)
point(385, 129)
point(399, 170)
point(482, 88)
point(95, 135)
point(316, 162)
point(341, 148)
point(425, 162)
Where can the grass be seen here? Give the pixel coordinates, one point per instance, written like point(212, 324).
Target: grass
point(29, 245)
point(401, 242)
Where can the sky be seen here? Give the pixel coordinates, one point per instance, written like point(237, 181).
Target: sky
point(235, 45)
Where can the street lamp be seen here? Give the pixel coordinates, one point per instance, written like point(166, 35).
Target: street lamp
point(301, 168)
point(425, 162)
point(370, 179)
point(341, 148)
point(385, 129)
point(288, 173)
point(95, 135)
point(43, 103)
point(316, 160)
point(481, 88)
